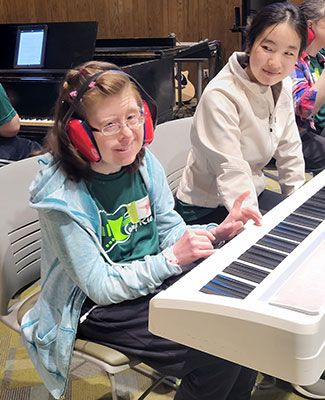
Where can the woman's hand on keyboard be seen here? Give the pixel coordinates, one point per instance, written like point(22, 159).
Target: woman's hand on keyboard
point(193, 245)
point(236, 219)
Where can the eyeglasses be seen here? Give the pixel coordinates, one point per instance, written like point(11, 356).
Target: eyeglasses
point(113, 128)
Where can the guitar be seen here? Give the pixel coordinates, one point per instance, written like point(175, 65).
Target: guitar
point(188, 89)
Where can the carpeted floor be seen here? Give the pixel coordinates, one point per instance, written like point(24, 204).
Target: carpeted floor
point(19, 380)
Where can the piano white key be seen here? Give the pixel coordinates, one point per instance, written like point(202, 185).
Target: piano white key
point(36, 122)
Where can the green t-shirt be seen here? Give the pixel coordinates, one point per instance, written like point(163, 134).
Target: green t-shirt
point(190, 212)
point(317, 68)
point(7, 112)
point(129, 231)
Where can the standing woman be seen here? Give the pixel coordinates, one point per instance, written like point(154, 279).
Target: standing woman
point(309, 87)
point(245, 118)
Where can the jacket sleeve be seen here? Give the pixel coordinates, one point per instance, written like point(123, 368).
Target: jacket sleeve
point(289, 157)
point(78, 252)
point(219, 137)
point(304, 96)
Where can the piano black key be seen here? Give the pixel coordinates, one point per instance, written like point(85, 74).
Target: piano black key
point(316, 204)
point(302, 220)
point(266, 258)
point(232, 283)
point(211, 289)
point(226, 286)
point(245, 271)
point(311, 211)
point(320, 195)
point(295, 233)
point(318, 199)
point(277, 243)
point(284, 237)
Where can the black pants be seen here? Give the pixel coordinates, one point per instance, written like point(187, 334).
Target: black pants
point(266, 201)
point(123, 326)
point(313, 148)
point(16, 148)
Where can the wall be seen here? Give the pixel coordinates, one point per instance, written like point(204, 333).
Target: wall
point(190, 20)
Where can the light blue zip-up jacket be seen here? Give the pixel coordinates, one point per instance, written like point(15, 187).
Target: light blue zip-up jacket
point(74, 265)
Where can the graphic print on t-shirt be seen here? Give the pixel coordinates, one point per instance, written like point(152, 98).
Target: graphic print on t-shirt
point(118, 226)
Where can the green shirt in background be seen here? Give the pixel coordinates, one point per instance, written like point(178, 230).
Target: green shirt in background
point(129, 231)
point(7, 112)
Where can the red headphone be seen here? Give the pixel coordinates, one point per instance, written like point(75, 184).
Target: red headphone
point(80, 132)
point(311, 35)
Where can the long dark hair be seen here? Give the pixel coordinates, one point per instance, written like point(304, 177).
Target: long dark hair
point(274, 14)
point(57, 142)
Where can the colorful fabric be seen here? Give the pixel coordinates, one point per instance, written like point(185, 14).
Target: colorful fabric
point(304, 96)
point(317, 67)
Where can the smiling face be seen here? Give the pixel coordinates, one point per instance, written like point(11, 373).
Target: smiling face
point(120, 149)
point(273, 54)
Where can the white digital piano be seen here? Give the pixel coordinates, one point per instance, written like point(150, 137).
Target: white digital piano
point(259, 300)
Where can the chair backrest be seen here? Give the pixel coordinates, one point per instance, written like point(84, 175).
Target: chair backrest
point(171, 146)
point(20, 237)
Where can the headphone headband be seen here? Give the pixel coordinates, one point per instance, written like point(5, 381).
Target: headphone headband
point(92, 78)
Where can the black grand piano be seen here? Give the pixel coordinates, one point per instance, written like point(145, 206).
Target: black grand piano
point(35, 59)
point(32, 85)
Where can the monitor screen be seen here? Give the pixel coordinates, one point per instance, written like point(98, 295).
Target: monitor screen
point(30, 46)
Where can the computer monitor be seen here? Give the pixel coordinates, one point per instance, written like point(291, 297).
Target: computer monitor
point(30, 46)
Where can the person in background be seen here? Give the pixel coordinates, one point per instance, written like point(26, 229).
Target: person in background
point(309, 99)
point(12, 147)
point(111, 239)
point(309, 87)
point(245, 117)
point(317, 68)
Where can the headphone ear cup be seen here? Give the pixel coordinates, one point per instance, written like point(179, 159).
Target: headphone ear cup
point(81, 136)
point(311, 35)
point(148, 125)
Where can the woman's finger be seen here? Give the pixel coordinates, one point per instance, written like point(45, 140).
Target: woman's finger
point(239, 201)
point(203, 232)
point(256, 216)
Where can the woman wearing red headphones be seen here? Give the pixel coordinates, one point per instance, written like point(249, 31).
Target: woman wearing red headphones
point(111, 239)
point(309, 87)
